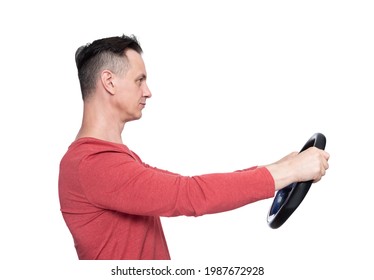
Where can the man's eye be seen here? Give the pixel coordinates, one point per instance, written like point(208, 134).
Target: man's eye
point(140, 80)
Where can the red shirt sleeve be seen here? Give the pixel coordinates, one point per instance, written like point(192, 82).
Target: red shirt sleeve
point(120, 181)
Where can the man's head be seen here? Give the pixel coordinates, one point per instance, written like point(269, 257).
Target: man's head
point(103, 54)
point(112, 71)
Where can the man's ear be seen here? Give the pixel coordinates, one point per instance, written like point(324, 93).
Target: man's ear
point(107, 80)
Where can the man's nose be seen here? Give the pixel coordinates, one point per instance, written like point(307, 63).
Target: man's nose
point(146, 92)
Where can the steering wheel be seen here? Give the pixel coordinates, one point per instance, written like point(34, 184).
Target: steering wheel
point(289, 198)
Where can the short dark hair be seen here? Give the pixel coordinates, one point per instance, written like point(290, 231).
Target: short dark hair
point(107, 53)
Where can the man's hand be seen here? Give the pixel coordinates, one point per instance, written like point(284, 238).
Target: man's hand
point(310, 164)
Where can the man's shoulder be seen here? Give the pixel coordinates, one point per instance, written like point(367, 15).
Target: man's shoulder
point(89, 148)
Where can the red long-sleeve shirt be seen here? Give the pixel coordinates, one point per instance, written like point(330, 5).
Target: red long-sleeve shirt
point(112, 202)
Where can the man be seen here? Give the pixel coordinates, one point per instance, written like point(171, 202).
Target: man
point(111, 201)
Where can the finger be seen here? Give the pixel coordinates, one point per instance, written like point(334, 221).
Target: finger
point(323, 172)
point(316, 180)
point(326, 155)
point(326, 165)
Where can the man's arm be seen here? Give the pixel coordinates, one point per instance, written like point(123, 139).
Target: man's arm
point(118, 182)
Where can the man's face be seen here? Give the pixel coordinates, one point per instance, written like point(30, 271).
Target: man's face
point(132, 88)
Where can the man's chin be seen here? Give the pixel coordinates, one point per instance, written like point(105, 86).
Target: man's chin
point(135, 118)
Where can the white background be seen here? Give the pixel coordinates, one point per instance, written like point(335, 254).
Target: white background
point(235, 84)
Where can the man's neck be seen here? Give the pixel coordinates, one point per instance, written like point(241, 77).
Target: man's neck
point(98, 123)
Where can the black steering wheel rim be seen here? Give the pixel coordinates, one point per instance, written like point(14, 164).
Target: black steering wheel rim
point(289, 198)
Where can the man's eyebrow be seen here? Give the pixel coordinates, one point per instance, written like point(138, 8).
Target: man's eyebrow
point(142, 77)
